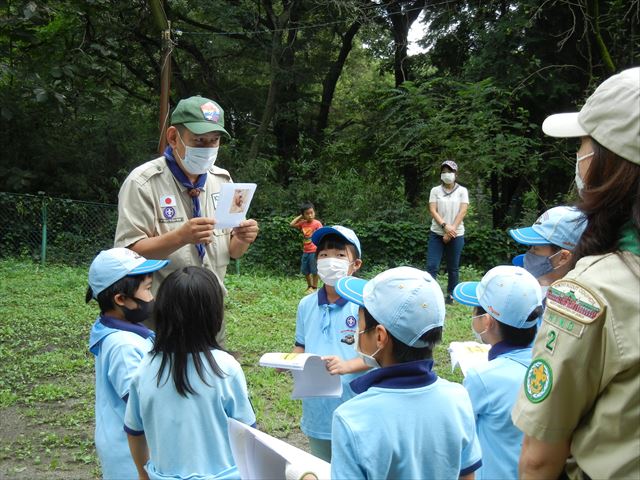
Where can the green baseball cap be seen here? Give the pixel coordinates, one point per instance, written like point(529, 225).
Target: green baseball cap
point(200, 115)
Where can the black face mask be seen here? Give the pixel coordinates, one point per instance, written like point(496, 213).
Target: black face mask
point(140, 314)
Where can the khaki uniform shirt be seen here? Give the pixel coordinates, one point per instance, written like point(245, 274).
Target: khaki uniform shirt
point(583, 383)
point(152, 202)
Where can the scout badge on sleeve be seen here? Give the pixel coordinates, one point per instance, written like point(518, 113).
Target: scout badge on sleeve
point(575, 302)
point(538, 381)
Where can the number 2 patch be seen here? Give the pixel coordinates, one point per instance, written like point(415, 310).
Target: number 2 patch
point(550, 344)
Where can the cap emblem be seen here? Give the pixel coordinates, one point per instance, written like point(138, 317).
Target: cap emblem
point(210, 112)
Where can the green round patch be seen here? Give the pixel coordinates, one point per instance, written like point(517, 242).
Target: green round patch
point(538, 381)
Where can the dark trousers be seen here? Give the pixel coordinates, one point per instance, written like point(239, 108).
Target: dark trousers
point(451, 250)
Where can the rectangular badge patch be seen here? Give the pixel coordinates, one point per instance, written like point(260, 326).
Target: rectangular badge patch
point(567, 325)
point(168, 201)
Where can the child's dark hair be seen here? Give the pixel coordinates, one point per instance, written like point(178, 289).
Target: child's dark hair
point(519, 337)
point(402, 352)
point(306, 206)
point(188, 315)
point(126, 286)
point(333, 240)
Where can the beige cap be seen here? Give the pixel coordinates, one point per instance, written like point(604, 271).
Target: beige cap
point(611, 116)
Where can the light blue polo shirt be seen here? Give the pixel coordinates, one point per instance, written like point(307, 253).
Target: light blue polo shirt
point(119, 347)
point(188, 436)
point(324, 328)
point(405, 422)
point(494, 388)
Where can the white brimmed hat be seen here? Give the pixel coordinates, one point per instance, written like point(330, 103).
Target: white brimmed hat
point(406, 301)
point(111, 265)
point(611, 116)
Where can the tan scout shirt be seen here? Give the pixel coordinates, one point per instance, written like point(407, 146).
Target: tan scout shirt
point(152, 202)
point(583, 383)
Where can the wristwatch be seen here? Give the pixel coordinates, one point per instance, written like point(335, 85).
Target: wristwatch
point(443, 224)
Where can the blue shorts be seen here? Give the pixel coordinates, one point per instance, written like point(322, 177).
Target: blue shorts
point(308, 264)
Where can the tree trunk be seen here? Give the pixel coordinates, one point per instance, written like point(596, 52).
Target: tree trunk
point(277, 24)
point(331, 79)
point(401, 22)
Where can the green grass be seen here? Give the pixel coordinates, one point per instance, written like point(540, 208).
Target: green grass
point(46, 371)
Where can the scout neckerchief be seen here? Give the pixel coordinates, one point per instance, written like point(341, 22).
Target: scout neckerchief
point(446, 194)
point(193, 188)
point(629, 239)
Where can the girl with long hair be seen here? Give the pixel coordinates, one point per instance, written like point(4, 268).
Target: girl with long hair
point(187, 386)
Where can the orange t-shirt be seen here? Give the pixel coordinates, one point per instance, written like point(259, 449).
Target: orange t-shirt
point(307, 229)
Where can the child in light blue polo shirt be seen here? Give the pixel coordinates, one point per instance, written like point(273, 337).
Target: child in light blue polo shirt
point(507, 305)
point(187, 387)
point(404, 422)
point(326, 325)
point(551, 240)
point(120, 280)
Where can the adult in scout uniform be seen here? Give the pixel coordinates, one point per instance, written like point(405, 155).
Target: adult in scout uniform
point(167, 206)
point(580, 407)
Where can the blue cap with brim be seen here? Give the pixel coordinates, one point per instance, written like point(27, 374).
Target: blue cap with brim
point(518, 260)
point(465, 293)
point(509, 294)
point(346, 233)
point(561, 226)
point(406, 301)
point(111, 265)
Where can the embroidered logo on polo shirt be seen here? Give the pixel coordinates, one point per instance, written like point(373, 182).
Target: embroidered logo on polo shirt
point(538, 381)
point(210, 111)
point(351, 321)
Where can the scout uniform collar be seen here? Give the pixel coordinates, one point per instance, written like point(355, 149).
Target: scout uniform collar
point(501, 348)
point(402, 375)
point(629, 239)
point(194, 189)
point(118, 324)
point(324, 300)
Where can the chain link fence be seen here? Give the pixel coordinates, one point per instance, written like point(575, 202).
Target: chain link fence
point(54, 230)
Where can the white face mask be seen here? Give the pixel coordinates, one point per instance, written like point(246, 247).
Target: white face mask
point(448, 178)
point(197, 160)
point(477, 335)
point(578, 178)
point(369, 360)
point(330, 270)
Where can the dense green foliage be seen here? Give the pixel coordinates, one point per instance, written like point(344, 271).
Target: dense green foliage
point(384, 245)
point(76, 231)
point(321, 98)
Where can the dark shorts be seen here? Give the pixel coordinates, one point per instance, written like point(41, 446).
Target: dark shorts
point(308, 264)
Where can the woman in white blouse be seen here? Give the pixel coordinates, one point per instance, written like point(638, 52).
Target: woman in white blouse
point(448, 203)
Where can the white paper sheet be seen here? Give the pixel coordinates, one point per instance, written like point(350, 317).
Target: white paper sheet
point(260, 456)
point(233, 204)
point(468, 354)
point(310, 375)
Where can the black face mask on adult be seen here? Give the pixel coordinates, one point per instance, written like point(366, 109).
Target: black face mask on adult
point(140, 314)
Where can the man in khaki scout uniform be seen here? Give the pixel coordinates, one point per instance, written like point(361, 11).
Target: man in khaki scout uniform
point(167, 206)
point(580, 404)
